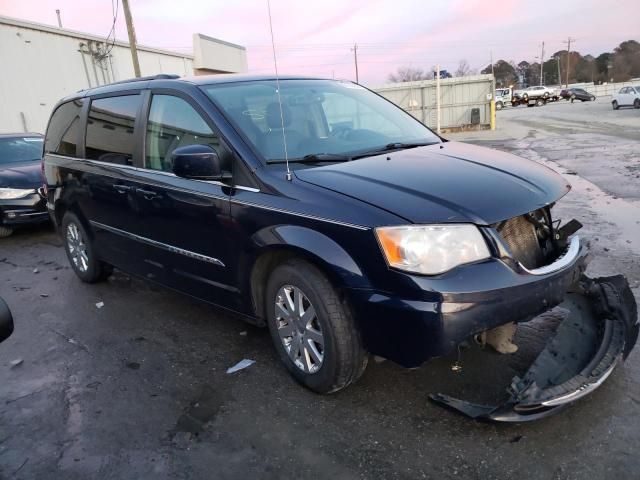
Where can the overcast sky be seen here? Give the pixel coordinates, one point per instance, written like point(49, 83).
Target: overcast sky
point(315, 37)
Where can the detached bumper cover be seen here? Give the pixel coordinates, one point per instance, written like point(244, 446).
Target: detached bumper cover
point(597, 334)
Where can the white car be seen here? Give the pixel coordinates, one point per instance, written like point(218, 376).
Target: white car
point(539, 91)
point(627, 97)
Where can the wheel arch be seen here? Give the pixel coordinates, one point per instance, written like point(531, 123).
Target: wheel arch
point(277, 244)
point(61, 207)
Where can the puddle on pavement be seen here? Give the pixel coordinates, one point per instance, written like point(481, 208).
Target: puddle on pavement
point(200, 411)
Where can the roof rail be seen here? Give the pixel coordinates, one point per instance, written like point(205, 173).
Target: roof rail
point(161, 76)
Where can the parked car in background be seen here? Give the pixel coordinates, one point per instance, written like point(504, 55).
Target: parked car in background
point(328, 214)
point(21, 201)
point(627, 97)
point(577, 94)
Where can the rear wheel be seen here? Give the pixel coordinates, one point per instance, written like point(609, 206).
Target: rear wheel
point(573, 97)
point(5, 231)
point(80, 251)
point(615, 105)
point(636, 103)
point(539, 102)
point(312, 328)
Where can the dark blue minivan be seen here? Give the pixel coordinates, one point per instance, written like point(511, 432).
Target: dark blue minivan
point(314, 207)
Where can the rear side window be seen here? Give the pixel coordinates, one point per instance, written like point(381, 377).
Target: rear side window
point(64, 129)
point(110, 129)
point(174, 123)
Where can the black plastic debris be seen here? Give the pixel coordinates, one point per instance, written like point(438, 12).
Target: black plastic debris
point(597, 334)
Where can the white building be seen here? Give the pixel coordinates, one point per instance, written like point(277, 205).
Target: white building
point(41, 64)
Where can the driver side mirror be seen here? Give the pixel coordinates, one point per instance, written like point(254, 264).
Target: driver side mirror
point(6, 321)
point(198, 162)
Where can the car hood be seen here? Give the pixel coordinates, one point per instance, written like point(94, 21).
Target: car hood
point(444, 183)
point(21, 175)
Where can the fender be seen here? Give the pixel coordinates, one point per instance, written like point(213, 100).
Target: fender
point(319, 247)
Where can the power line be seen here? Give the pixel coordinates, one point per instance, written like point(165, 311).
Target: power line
point(114, 12)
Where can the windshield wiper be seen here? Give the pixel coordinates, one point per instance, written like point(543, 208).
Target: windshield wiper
point(315, 157)
point(390, 147)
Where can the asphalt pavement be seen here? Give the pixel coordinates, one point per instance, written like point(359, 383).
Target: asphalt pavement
point(125, 379)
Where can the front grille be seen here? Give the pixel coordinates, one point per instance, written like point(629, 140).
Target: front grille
point(520, 235)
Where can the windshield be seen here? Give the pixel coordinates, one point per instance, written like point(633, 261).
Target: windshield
point(20, 149)
point(321, 117)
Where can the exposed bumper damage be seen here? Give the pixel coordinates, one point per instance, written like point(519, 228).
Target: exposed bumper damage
point(599, 331)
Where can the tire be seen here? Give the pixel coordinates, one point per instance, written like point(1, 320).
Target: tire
point(615, 105)
point(636, 103)
point(573, 97)
point(499, 105)
point(5, 231)
point(539, 102)
point(81, 252)
point(342, 358)
point(593, 99)
point(546, 95)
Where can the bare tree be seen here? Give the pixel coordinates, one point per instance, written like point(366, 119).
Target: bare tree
point(408, 74)
point(464, 69)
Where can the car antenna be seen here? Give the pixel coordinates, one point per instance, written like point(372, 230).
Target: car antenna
point(275, 64)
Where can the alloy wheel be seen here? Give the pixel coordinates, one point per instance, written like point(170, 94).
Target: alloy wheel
point(77, 248)
point(299, 329)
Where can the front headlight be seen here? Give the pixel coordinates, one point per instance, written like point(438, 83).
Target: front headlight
point(431, 249)
point(15, 193)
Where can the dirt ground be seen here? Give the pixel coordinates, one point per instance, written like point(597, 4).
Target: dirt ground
point(138, 388)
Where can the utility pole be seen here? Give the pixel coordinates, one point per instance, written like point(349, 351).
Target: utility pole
point(568, 42)
point(59, 19)
point(132, 37)
point(542, 65)
point(491, 59)
point(355, 59)
point(559, 74)
point(438, 99)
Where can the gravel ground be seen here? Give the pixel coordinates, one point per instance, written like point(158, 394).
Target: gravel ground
point(138, 389)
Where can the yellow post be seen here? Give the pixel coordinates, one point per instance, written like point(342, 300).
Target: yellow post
point(493, 114)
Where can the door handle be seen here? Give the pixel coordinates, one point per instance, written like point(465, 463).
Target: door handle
point(122, 188)
point(148, 194)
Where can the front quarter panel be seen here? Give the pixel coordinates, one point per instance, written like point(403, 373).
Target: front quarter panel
point(318, 245)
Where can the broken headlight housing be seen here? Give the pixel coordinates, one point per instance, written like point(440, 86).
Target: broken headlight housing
point(15, 193)
point(431, 249)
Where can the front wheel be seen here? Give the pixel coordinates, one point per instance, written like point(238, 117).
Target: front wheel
point(312, 328)
point(498, 105)
point(615, 105)
point(539, 102)
point(636, 103)
point(5, 231)
point(80, 251)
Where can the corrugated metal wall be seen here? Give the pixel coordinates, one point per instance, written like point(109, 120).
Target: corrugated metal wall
point(457, 97)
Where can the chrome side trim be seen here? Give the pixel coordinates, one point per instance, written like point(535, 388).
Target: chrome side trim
point(564, 261)
point(297, 214)
point(164, 246)
point(148, 170)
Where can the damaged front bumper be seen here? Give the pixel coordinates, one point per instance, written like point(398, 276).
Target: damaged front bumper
point(599, 331)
